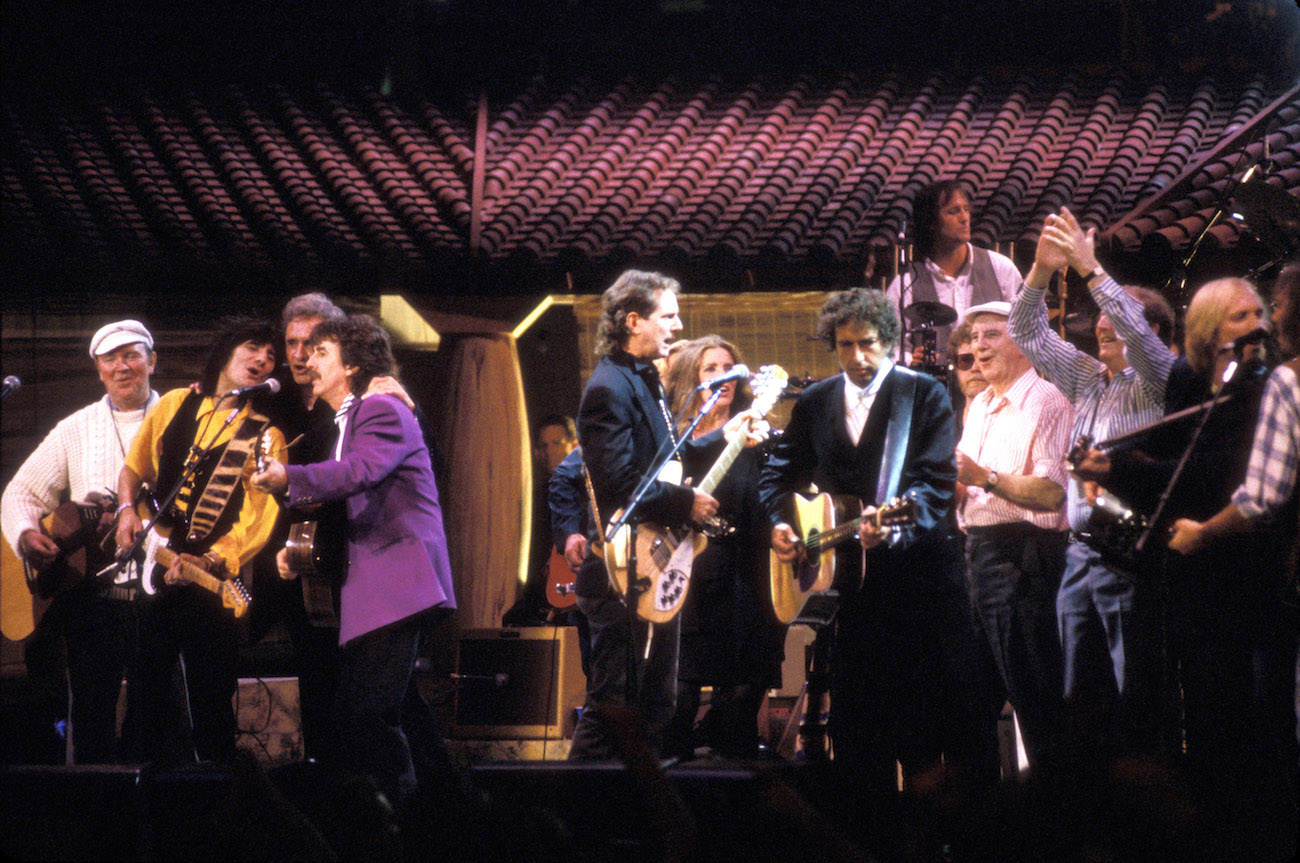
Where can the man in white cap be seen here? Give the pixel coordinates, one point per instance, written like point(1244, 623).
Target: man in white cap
point(82, 456)
point(1011, 458)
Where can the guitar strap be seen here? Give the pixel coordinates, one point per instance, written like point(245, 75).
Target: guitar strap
point(225, 476)
point(897, 434)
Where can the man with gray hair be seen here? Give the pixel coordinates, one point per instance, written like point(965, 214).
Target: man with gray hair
point(82, 457)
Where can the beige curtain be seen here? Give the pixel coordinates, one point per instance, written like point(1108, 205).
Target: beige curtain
point(489, 477)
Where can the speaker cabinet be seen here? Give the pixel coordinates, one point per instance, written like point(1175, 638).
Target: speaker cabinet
point(519, 683)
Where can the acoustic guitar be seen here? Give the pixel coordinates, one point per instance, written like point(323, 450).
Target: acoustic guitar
point(665, 555)
point(822, 524)
point(26, 591)
point(316, 552)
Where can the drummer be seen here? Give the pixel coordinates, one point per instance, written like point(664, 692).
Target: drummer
point(947, 276)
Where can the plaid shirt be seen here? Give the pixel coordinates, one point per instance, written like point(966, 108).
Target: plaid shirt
point(1104, 406)
point(1271, 475)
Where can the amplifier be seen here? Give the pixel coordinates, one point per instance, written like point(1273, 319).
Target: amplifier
point(518, 683)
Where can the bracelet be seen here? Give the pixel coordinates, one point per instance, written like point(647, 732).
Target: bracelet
point(122, 507)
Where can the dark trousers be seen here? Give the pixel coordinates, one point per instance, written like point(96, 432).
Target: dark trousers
point(387, 731)
point(185, 623)
point(101, 638)
point(615, 640)
point(1015, 573)
point(910, 677)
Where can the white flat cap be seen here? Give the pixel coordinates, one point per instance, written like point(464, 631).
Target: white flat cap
point(112, 336)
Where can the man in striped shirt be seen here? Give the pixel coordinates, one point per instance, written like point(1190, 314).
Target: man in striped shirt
point(1012, 460)
point(1108, 655)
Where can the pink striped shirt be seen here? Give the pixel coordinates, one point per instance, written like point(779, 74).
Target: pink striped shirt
point(1025, 432)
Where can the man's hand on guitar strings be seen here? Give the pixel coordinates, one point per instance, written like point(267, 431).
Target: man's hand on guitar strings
point(785, 543)
point(273, 480)
point(870, 534)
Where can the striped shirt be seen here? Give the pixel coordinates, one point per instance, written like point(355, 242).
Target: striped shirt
point(1271, 475)
point(1104, 406)
point(1025, 432)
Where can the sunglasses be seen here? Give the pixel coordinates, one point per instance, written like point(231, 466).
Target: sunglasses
point(965, 362)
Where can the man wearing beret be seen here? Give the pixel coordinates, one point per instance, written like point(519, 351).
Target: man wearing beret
point(83, 456)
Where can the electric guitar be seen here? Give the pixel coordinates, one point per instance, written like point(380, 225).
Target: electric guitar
point(822, 523)
point(234, 595)
point(665, 555)
point(231, 590)
point(559, 582)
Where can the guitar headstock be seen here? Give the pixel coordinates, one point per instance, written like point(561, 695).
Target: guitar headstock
point(263, 449)
point(235, 596)
point(768, 385)
point(897, 512)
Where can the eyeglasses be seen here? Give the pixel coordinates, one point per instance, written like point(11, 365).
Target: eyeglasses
point(965, 362)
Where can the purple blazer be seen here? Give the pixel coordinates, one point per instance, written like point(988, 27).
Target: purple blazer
point(397, 550)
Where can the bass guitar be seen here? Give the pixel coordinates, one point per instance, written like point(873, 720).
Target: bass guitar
point(822, 523)
point(665, 555)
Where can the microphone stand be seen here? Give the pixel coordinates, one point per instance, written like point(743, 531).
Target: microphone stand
point(197, 454)
point(629, 518)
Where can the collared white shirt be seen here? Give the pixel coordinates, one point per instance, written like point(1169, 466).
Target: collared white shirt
point(955, 291)
point(858, 401)
point(341, 420)
point(1024, 432)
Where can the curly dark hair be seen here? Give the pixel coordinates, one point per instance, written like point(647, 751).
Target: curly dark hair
point(925, 213)
point(1288, 283)
point(231, 333)
point(858, 306)
point(363, 343)
point(634, 291)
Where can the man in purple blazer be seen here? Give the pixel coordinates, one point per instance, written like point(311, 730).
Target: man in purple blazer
point(398, 580)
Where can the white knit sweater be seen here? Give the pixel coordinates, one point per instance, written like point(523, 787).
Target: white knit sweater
point(84, 453)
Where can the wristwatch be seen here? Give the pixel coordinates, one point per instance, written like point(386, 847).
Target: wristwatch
point(1095, 272)
point(991, 481)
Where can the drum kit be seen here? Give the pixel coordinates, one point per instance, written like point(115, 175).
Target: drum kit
point(925, 317)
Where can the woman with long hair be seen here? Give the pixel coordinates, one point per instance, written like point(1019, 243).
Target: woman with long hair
point(730, 637)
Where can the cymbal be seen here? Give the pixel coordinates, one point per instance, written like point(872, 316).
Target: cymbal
point(927, 312)
point(1272, 214)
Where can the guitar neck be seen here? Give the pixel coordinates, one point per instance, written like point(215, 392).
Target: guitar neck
point(191, 573)
point(722, 465)
point(840, 532)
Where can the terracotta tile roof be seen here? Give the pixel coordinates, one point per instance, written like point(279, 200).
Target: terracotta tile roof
point(791, 170)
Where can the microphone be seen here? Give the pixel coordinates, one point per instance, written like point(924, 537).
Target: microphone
point(11, 383)
point(737, 373)
point(500, 680)
point(1256, 336)
point(270, 385)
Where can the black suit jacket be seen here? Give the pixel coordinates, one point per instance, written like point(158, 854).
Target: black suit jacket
point(621, 427)
point(816, 448)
